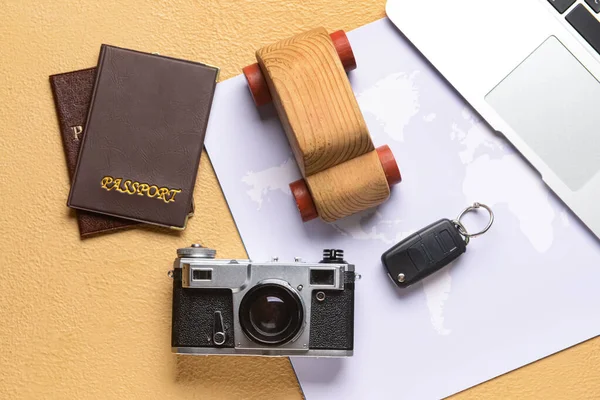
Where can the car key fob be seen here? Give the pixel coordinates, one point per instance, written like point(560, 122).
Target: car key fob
point(430, 249)
point(424, 253)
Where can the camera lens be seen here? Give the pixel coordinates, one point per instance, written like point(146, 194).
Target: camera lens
point(271, 314)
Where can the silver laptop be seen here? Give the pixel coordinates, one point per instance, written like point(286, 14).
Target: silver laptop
point(531, 68)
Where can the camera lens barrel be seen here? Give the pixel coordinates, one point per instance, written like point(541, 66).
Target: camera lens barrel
point(271, 314)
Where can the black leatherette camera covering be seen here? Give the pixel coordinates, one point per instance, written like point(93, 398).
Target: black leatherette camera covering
point(332, 320)
point(193, 315)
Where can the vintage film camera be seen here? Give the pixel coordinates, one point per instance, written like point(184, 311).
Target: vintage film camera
point(238, 307)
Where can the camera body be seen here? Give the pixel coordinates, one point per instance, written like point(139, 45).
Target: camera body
point(237, 307)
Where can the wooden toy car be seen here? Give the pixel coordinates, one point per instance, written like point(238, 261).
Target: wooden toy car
point(305, 77)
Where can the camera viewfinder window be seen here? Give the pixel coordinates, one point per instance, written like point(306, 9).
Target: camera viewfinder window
point(202, 275)
point(321, 277)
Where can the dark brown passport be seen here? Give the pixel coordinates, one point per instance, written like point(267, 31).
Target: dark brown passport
point(72, 95)
point(143, 138)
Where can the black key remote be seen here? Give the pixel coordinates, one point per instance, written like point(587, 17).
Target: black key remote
point(424, 252)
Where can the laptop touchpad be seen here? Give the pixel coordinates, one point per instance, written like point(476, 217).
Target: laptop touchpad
point(553, 103)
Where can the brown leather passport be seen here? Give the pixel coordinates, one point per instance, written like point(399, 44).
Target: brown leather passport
point(72, 94)
point(143, 139)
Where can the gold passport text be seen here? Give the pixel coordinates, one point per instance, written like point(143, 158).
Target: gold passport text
point(141, 189)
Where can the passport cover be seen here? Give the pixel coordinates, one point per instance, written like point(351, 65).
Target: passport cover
point(72, 95)
point(144, 136)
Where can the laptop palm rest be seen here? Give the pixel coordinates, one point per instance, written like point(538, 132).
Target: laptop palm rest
point(553, 103)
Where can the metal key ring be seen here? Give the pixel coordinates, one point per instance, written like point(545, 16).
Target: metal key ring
point(461, 228)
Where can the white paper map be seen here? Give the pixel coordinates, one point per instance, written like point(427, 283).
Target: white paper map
point(526, 289)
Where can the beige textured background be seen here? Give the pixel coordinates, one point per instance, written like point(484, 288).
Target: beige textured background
point(91, 319)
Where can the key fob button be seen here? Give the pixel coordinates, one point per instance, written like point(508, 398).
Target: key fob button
point(448, 243)
point(432, 245)
point(418, 256)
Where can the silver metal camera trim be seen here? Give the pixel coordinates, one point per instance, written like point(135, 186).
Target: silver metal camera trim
point(240, 276)
point(229, 351)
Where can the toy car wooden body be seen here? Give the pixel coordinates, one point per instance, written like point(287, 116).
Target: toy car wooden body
point(305, 77)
